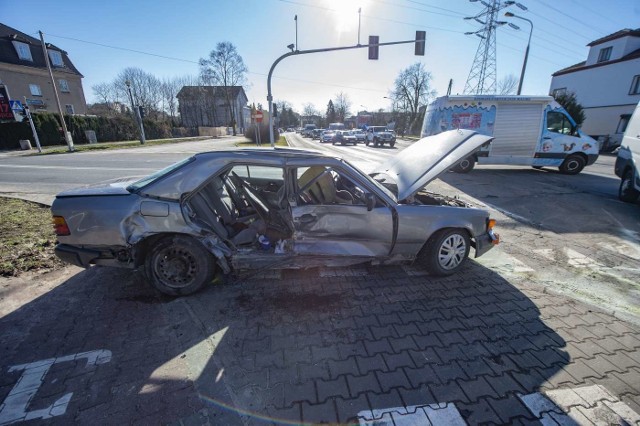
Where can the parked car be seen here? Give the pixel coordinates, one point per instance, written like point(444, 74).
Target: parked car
point(344, 137)
point(308, 129)
point(628, 161)
point(360, 135)
point(275, 208)
point(328, 136)
point(379, 135)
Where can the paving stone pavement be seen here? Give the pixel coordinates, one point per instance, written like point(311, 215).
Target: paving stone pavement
point(372, 345)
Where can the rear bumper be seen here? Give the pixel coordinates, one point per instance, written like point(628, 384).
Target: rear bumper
point(75, 255)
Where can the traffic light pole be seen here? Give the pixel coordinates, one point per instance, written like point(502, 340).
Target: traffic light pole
point(306, 52)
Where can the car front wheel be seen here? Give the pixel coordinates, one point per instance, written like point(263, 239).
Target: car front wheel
point(179, 265)
point(627, 192)
point(465, 165)
point(445, 252)
point(572, 165)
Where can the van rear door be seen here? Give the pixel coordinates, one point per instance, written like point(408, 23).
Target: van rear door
point(516, 134)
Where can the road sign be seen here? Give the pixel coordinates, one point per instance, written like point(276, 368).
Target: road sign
point(258, 116)
point(5, 108)
point(16, 105)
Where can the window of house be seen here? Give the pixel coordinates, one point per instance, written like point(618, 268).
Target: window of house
point(560, 91)
point(69, 109)
point(64, 85)
point(557, 122)
point(23, 50)
point(35, 90)
point(622, 124)
point(635, 85)
point(56, 58)
point(605, 54)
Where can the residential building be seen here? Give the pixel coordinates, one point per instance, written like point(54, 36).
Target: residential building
point(606, 84)
point(23, 71)
point(207, 106)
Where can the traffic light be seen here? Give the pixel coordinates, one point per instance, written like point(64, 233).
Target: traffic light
point(420, 42)
point(275, 110)
point(373, 50)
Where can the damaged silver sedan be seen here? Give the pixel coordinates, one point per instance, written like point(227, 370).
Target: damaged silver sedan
point(284, 208)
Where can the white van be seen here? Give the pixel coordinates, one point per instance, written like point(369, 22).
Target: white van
point(628, 160)
point(528, 130)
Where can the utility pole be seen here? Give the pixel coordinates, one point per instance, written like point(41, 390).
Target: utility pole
point(482, 77)
point(67, 135)
point(136, 111)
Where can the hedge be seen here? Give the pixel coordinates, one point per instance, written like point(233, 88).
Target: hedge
point(111, 129)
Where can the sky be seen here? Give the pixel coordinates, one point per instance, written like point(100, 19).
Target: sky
point(168, 38)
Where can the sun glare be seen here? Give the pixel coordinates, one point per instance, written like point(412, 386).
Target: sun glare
point(346, 14)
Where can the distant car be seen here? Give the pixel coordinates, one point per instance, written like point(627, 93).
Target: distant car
point(327, 136)
point(317, 133)
point(275, 208)
point(360, 135)
point(379, 135)
point(344, 137)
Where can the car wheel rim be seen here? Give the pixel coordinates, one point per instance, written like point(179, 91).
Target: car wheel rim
point(464, 164)
point(176, 267)
point(572, 165)
point(626, 186)
point(452, 251)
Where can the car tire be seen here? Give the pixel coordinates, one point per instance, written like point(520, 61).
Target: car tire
point(179, 265)
point(627, 192)
point(375, 142)
point(465, 165)
point(366, 142)
point(445, 252)
point(572, 165)
point(392, 144)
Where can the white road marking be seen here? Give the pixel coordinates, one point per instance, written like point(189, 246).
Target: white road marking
point(22, 166)
point(547, 253)
point(579, 260)
point(573, 406)
point(414, 415)
point(14, 406)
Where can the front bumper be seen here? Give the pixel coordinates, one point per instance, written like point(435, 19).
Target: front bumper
point(75, 255)
point(485, 242)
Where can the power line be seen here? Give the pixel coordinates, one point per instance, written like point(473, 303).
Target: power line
point(591, 27)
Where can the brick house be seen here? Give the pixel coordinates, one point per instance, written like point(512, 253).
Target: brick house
point(23, 71)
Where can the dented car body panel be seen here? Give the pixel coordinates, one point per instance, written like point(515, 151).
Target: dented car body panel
point(265, 208)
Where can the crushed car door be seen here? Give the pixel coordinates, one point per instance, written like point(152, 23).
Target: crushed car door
point(336, 215)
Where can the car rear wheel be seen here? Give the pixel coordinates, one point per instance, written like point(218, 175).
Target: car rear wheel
point(627, 192)
point(179, 265)
point(366, 142)
point(465, 165)
point(572, 165)
point(445, 252)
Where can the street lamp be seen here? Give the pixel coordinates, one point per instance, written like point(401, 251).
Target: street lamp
point(526, 55)
point(136, 111)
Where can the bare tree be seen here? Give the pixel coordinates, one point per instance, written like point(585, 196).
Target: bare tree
point(108, 96)
point(412, 90)
point(225, 68)
point(507, 85)
point(309, 110)
point(145, 88)
point(342, 106)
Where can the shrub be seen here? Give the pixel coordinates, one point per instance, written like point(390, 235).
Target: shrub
point(250, 133)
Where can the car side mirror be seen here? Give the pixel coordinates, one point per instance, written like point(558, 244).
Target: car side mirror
point(371, 201)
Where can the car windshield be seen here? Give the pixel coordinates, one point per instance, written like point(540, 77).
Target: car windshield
point(157, 175)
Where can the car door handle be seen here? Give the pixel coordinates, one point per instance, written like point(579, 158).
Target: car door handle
point(307, 218)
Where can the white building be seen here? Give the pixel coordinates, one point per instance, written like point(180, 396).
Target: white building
point(607, 84)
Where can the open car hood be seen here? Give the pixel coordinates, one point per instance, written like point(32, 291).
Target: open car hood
point(414, 167)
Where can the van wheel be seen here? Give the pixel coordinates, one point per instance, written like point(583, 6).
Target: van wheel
point(627, 192)
point(465, 166)
point(445, 252)
point(179, 265)
point(572, 165)
point(392, 144)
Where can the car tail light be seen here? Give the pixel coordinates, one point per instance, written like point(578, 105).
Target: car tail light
point(60, 226)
